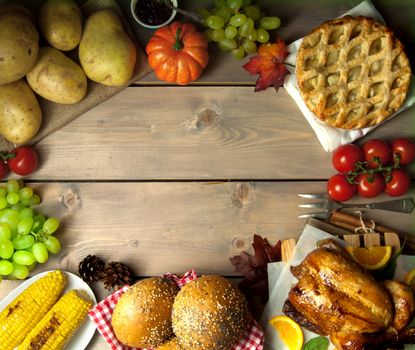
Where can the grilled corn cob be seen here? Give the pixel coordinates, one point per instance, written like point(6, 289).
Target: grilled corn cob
point(59, 324)
point(24, 312)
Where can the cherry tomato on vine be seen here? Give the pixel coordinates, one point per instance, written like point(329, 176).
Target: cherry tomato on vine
point(24, 162)
point(370, 186)
point(377, 148)
point(399, 184)
point(345, 157)
point(405, 148)
point(4, 169)
point(339, 188)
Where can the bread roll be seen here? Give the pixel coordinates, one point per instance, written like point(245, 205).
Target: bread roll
point(209, 313)
point(142, 316)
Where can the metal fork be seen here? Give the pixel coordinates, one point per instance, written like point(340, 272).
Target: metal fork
point(405, 205)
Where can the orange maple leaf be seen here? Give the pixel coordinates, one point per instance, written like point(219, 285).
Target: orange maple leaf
point(269, 64)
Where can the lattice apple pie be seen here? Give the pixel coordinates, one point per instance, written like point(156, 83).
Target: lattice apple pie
point(352, 72)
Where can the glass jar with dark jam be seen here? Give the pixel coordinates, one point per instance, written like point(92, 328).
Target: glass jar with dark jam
point(152, 12)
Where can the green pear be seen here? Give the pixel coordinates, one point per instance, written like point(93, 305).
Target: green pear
point(106, 53)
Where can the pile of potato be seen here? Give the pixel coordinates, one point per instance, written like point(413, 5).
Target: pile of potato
point(106, 54)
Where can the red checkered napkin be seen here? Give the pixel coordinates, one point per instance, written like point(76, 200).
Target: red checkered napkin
point(100, 314)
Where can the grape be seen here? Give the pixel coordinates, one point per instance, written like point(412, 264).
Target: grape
point(249, 46)
point(231, 32)
point(6, 267)
point(10, 217)
point(262, 35)
point(3, 191)
point(207, 33)
point(52, 244)
point(238, 53)
point(23, 257)
point(51, 225)
point(18, 206)
point(12, 186)
point(26, 192)
point(218, 34)
point(237, 20)
point(38, 221)
point(269, 23)
point(20, 271)
point(32, 267)
point(23, 242)
point(225, 13)
point(235, 4)
point(215, 22)
point(3, 202)
point(253, 12)
point(220, 3)
point(5, 233)
point(6, 249)
point(227, 44)
point(26, 212)
point(246, 3)
point(252, 36)
point(40, 252)
point(25, 226)
point(203, 13)
point(246, 28)
point(13, 198)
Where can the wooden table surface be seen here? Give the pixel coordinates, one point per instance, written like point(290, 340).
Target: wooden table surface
point(167, 178)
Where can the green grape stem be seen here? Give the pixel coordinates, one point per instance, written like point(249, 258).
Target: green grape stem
point(361, 168)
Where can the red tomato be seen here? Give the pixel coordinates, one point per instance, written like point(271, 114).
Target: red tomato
point(339, 188)
point(4, 169)
point(399, 183)
point(405, 148)
point(24, 162)
point(377, 148)
point(370, 186)
point(345, 157)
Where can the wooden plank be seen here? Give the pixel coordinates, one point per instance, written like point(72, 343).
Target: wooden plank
point(171, 227)
point(198, 133)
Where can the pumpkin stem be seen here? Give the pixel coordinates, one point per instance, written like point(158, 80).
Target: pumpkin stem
point(178, 45)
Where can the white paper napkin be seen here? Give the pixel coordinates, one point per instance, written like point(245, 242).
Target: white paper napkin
point(331, 137)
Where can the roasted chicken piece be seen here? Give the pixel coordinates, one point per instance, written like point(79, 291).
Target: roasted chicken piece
point(335, 296)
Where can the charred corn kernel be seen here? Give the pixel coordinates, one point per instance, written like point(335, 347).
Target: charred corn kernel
point(24, 312)
point(59, 324)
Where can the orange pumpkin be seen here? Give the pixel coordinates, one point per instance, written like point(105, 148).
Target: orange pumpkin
point(178, 53)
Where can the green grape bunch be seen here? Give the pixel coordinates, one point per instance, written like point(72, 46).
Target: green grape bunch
point(237, 26)
point(26, 236)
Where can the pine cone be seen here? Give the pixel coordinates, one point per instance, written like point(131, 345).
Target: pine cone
point(116, 275)
point(91, 268)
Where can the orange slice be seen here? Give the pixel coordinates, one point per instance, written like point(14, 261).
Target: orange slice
point(289, 331)
point(371, 258)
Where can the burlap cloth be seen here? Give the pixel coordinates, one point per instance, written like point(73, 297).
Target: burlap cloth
point(57, 115)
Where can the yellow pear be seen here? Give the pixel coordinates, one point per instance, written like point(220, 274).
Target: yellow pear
point(106, 53)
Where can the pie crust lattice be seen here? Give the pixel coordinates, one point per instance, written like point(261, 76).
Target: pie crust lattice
point(352, 72)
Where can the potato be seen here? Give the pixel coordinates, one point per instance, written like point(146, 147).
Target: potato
point(20, 113)
point(61, 23)
point(106, 53)
point(19, 46)
point(57, 78)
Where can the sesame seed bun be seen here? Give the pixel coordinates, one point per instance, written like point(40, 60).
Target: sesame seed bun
point(209, 313)
point(142, 316)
